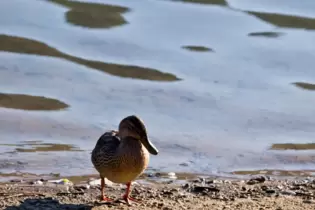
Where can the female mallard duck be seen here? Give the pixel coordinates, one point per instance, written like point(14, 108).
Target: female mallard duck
point(122, 156)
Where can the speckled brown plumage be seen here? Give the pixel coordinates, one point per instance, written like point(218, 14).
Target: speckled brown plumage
point(122, 156)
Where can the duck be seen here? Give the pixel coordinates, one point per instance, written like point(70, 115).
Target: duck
point(122, 156)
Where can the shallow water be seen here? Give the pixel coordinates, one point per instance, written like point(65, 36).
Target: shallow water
point(223, 86)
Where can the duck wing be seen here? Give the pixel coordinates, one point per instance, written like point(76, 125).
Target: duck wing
point(108, 141)
point(105, 148)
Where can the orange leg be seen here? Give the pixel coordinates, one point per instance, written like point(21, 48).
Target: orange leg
point(127, 197)
point(103, 197)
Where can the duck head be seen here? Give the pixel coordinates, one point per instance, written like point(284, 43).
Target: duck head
point(132, 126)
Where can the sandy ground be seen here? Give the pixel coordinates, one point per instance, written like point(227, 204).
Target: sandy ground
point(257, 194)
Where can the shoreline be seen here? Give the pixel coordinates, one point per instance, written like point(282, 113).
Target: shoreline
point(160, 175)
point(257, 192)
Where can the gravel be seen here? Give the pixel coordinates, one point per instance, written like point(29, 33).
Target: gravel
point(205, 193)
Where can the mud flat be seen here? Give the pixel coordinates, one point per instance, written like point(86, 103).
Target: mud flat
point(258, 192)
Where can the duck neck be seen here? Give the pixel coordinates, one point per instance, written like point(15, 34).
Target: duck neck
point(131, 143)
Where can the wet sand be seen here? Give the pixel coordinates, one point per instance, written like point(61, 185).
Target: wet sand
point(200, 193)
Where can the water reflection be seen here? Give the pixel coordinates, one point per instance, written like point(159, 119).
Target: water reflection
point(93, 15)
point(268, 34)
point(304, 85)
point(197, 48)
point(29, 46)
point(289, 146)
point(285, 21)
point(39, 146)
point(28, 102)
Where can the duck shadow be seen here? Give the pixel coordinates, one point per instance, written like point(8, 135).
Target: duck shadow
point(54, 204)
point(47, 203)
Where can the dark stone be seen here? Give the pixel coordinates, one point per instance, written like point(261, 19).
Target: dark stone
point(158, 174)
point(252, 182)
point(256, 180)
point(186, 186)
point(308, 201)
point(210, 181)
point(264, 188)
point(260, 179)
point(270, 191)
point(150, 175)
point(198, 189)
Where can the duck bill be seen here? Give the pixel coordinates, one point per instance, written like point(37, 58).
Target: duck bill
point(149, 146)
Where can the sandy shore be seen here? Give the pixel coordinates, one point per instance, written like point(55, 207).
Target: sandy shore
point(217, 194)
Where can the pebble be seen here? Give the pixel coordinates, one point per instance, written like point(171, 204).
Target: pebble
point(287, 192)
point(205, 188)
point(151, 175)
point(82, 187)
point(172, 175)
point(256, 180)
point(308, 201)
point(270, 191)
point(38, 182)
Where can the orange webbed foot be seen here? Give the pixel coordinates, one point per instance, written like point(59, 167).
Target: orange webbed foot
point(128, 199)
point(106, 199)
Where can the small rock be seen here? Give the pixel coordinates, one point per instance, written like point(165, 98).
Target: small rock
point(160, 205)
point(243, 196)
point(288, 192)
point(301, 193)
point(308, 201)
point(198, 189)
point(186, 186)
point(264, 188)
point(81, 187)
point(202, 180)
point(167, 192)
point(227, 182)
point(295, 188)
point(252, 182)
point(255, 180)
point(279, 187)
point(150, 175)
point(158, 174)
point(38, 182)
point(210, 181)
point(270, 191)
point(172, 175)
point(17, 181)
point(169, 182)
